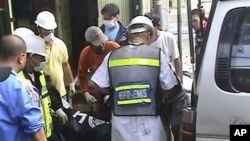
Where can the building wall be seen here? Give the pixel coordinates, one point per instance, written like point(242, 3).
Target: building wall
point(183, 3)
point(162, 7)
point(165, 15)
point(146, 5)
point(63, 22)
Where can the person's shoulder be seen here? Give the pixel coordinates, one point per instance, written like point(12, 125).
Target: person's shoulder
point(15, 87)
point(102, 27)
point(123, 27)
point(59, 42)
point(86, 50)
point(15, 82)
point(167, 34)
point(112, 44)
point(57, 39)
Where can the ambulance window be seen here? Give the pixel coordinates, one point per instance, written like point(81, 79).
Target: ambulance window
point(232, 72)
point(240, 54)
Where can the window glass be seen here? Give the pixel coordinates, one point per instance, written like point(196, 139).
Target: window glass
point(240, 54)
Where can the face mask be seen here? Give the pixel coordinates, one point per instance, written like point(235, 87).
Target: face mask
point(40, 67)
point(49, 37)
point(109, 23)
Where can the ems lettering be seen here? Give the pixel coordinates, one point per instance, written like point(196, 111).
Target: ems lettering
point(239, 132)
point(141, 93)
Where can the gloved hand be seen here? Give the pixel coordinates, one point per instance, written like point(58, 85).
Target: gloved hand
point(62, 116)
point(105, 99)
point(89, 98)
point(72, 89)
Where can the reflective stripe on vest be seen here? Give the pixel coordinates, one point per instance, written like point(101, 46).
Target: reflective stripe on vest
point(127, 87)
point(46, 102)
point(133, 101)
point(134, 74)
point(134, 61)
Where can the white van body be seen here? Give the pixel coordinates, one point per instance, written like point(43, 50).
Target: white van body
point(223, 98)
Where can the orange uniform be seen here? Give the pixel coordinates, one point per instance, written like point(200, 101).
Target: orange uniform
point(91, 61)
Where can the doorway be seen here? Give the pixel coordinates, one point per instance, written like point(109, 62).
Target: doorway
point(83, 13)
point(25, 11)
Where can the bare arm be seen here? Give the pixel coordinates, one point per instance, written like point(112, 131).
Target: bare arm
point(178, 67)
point(38, 136)
point(93, 88)
point(68, 72)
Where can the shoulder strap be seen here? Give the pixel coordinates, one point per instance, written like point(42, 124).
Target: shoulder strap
point(176, 76)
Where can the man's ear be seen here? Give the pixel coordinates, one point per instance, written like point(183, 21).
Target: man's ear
point(116, 18)
point(150, 33)
point(22, 58)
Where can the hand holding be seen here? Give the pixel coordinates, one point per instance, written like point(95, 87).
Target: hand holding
point(62, 116)
point(89, 98)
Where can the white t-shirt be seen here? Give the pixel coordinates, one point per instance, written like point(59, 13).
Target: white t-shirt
point(167, 43)
point(137, 128)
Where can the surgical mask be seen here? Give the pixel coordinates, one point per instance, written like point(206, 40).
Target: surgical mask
point(109, 23)
point(49, 37)
point(40, 67)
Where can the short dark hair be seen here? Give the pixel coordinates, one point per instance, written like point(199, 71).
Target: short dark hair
point(11, 46)
point(199, 12)
point(154, 17)
point(111, 9)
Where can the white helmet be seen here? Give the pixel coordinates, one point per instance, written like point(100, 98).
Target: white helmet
point(23, 32)
point(140, 20)
point(146, 25)
point(46, 20)
point(34, 43)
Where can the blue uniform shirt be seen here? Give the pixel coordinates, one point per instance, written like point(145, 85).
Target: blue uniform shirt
point(19, 112)
point(112, 33)
point(121, 36)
